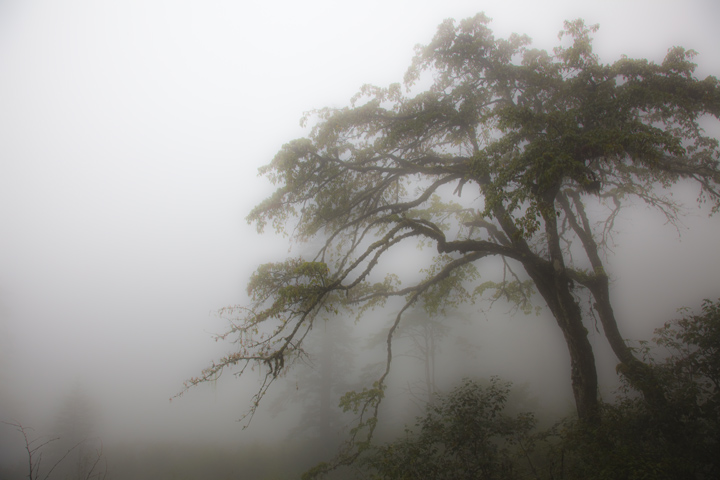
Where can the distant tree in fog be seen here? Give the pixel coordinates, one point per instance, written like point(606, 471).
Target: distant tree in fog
point(423, 334)
point(505, 152)
point(75, 428)
point(318, 380)
point(37, 468)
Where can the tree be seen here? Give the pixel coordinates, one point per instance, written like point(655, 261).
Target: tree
point(511, 153)
point(692, 370)
point(692, 375)
point(74, 427)
point(425, 333)
point(96, 468)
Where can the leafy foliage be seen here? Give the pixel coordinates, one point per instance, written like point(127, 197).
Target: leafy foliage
point(464, 435)
point(693, 366)
point(681, 440)
point(468, 433)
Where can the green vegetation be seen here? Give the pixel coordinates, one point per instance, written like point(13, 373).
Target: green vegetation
point(480, 429)
point(679, 439)
point(464, 435)
point(510, 153)
point(469, 433)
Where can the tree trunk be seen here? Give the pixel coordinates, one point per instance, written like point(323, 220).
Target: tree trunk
point(640, 375)
point(553, 283)
point(555, 289)
point(637, 372)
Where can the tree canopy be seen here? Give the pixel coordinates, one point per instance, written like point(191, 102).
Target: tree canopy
point(492, 150)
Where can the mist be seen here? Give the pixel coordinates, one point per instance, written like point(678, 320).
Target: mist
point(131, 134)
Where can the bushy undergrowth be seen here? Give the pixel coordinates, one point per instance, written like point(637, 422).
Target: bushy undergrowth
point(481, 430)
point(473, 433)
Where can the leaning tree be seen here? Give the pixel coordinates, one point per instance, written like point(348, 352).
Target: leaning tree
point(493, 149)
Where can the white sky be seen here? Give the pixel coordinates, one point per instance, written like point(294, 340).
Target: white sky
point(130, 136)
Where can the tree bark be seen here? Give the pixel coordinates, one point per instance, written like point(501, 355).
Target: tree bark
point(637, 372)
point(557, 294)
point(640, 375)
point(553, 283)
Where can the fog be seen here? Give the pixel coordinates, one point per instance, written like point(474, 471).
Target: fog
point(130, 137)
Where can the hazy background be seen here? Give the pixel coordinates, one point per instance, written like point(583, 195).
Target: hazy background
point(130, 137)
